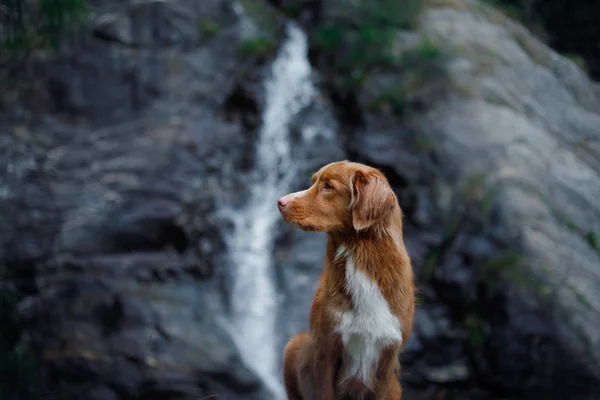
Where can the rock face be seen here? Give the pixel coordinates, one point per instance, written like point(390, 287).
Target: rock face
point(531, 125)
point(510, 170)
point(131, 155)
point(126, 157)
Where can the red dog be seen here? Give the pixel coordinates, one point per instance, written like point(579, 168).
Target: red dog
point(362, 313)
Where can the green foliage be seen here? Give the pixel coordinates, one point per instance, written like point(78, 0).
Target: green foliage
point(500, 266)
point(393, 98)
point(417, 68)
point(17, 374)
point(359, 36)
point(293, 8)
point(43, 25)
point(476, 327)
point(208, 28)
point(432, 261)
point(263, 15)
point(583, 300)
point(266, 23)
point(8, 319)
point(473, 186)
point(58, 17)
point(17, 364)
point(472, 205)
point(256, 47)
point(426, 57)
point(593, 240)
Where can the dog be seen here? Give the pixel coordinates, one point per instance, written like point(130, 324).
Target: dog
point(362, 313)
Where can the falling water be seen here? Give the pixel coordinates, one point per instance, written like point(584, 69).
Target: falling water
point(288, 90)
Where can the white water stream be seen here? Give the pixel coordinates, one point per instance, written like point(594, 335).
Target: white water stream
point(288, 90)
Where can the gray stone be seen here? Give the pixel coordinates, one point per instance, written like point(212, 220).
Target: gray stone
point(123, 151)
point(525, 126)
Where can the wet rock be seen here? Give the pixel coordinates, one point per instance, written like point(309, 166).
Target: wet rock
point(128, 146)
point(113, 229)
point(486, 175)
point(528, 154)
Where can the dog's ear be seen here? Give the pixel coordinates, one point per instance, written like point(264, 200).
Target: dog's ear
point(372, 199)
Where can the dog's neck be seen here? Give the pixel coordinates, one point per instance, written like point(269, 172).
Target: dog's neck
point(386, 230)
point(370, 246)
point(365, 238)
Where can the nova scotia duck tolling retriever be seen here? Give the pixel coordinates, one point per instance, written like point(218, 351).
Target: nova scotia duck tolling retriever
point(362, 312)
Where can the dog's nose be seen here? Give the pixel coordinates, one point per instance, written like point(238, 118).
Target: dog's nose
point(282, 202)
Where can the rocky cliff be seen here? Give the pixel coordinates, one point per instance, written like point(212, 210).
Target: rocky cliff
point(142, 162)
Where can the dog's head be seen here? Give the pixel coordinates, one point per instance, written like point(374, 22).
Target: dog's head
point(344, 196)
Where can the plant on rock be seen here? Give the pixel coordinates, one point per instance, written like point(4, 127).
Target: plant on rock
point(359, 36)
point(17, 364)
point(26, 27)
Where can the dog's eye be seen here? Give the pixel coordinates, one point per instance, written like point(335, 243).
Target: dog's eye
point(327, 186)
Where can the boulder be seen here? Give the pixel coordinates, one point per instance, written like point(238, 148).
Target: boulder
point(131, 154)
point(118, 157)
point(503, 165)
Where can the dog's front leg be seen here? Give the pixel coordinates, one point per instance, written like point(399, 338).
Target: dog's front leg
point(324, 367)
point(384, 373)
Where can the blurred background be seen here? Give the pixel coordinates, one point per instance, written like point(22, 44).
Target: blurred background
point(144, 144)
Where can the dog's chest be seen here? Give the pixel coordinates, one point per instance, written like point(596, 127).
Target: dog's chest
point(368, 327)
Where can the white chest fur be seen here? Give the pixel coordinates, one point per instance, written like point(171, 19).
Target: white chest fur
point(369, 326)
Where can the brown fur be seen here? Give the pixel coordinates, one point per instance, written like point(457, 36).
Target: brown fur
point(355, 205)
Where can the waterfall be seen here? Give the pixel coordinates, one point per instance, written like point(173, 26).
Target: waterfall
point(288, 89)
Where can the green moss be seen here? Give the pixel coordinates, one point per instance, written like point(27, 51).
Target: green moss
point(17, 364)
point(486, 204)
point(264, 16)
point(207, 28)
point(393, 99)
point(505, 262)
point(473, 186)
point(329, 38)
point(475, 326)
point(507, 268)
point(8, 318)
point(423, 144)
point(582, 300)
point(256, 47)
point(419, 66)
point(426, 57)
point(42, 26)
point(293, 8)
point(480, 195)
point(566, 220)
point(360, 36)
point(267, 23)
point(359, 39)
point(593, 240)
point(18, 374)
point(432, 261)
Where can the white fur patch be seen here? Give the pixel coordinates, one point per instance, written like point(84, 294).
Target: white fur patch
point(370, 326)
point(341, 252)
